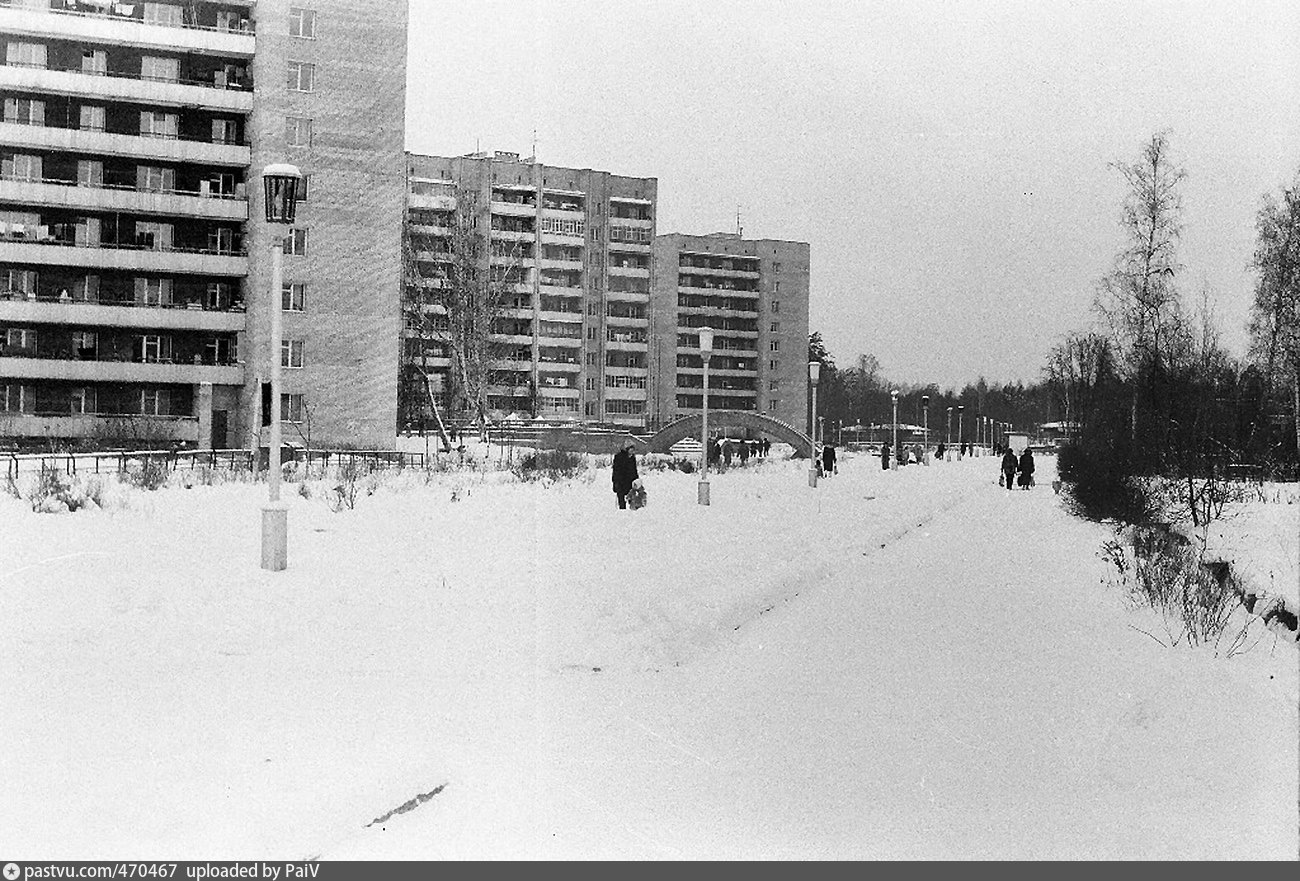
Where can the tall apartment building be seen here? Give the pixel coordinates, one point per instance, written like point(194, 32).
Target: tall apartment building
point(134, 254)
point(754, 294)
point(574, 247)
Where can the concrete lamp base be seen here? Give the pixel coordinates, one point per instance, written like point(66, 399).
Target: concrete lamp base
point(812, 476)
point(275, 536)
point(703, 492)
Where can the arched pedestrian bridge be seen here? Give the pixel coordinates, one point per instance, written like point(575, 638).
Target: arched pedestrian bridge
point(689, 426)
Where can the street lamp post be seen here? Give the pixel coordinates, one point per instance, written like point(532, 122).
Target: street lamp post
point(961, 430)
point(925, 416)
point(814, 373)
point(947, 437)
point(706, 352)
point(280, 196)
point(894, 396)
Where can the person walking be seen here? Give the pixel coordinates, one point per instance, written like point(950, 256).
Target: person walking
point(1009, 469)
point(938, 453)
point(744, 453)
point(624, 472)
point(828, 459)
point(726, 453)
point(1026, 469)
point(884, 456)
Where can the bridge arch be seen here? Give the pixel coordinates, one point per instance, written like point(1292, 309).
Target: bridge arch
point(689, 426)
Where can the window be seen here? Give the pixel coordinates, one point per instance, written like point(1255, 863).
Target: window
point(81, 401)
point(21, 166)
point(16, 398)
point(773, 384)
point(624, 408)
point(221, 240)
point(90, 173)
point(157, 124)
point(219, 350)
point(153, 349)
point(155, 402)
point(25, 111)
point(563, 227)
point(25, 54)
point(772, 365)
point(224, 131)
point(91, 118)
point(218, 295)
point(153, 291)
point(94, 62)
point(302, 77)
point(291, 353)
point(776, 327)
point(292, 297)
point(21, 281)
point(300, 191)
point(772, 404)
point(153, 179)
point(302, 23)
point(591, 333)
point(295, 243)
point(164, 14)
point(297, 131)
point(612, 381)
point(291, 408)
point(153, 236)
point(156, 67)
point(85, 345)
point(591, 359)
point(774, 346)
point(21, 338)
point(776, 305)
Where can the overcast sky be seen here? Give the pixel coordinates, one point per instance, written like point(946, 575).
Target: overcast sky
point(947, 161)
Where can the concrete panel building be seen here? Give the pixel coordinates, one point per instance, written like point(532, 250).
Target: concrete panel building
point(573, 343)
point(134, 265)
point(754, 294)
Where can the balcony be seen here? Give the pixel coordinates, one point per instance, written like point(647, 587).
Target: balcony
point(175, 203)
point(125, 314)
point(629, 271)
point(688, 269)
point(715, 290)
point(71, 140)
point(514, 209)
point(123, 257)
point(126, 87)
point(566, 265)
point(435, 201)
point(173, 428)
point(121, 371)
point(106, 27)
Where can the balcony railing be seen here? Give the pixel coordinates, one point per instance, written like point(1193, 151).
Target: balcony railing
point(98, 130)
point(106, 358)
point(219, 81)
point(188, 306)
point(125, 246)
point(116, 13)
point(132, 188)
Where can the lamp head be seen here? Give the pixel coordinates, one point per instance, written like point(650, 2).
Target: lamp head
point(280, 191)
point(706, 341)
point(814, 371)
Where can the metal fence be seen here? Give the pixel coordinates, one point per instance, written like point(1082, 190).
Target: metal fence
point(120, 462)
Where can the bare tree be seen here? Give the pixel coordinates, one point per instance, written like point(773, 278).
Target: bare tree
point(1138, 297)
point(1075, 369)
point(1275, 312)
point(457, 291)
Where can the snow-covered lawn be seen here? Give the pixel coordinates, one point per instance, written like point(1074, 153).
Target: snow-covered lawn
point(904, 664)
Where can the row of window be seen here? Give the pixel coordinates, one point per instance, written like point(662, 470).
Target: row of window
point(18, 398)
point(144, 349)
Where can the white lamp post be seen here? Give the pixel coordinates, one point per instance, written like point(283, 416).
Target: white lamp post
point(961, 429)
point(894, 396)
point(706, 352)
point(947, 437)
point(280, 192)
point(925, 416)
point(814, 373)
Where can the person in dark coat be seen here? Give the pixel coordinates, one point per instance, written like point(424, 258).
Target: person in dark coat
point(624, 473)
point(884, 456)
point(938, 454)
point(1026, 469)
point(828, 459)
point(1009, 468)
point(744, 452)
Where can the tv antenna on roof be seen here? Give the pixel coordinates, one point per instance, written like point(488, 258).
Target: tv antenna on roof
point(740, 230)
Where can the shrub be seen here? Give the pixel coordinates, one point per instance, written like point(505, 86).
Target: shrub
point(1097, 487)
point(151, 475)
point(344, 494)
point(551, 465)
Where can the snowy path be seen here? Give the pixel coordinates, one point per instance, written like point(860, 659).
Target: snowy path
point(866, 670)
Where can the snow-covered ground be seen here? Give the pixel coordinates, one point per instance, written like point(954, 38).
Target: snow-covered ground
point(905, 664)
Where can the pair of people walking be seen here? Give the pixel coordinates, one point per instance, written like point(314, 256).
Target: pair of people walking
point(1024, 466)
